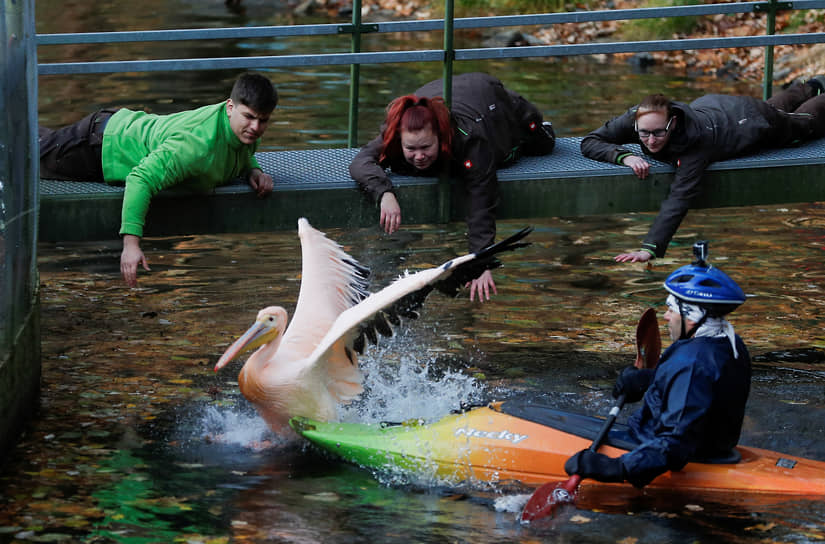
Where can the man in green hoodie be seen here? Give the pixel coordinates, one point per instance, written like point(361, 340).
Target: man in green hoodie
point(195, 150)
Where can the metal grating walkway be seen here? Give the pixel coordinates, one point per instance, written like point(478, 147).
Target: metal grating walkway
point(317, 183)
point(328, 168)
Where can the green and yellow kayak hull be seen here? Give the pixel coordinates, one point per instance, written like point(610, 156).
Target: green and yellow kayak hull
point(486, 444)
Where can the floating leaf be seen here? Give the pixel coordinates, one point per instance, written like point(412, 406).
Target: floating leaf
point(762, 527)
point(324, 496)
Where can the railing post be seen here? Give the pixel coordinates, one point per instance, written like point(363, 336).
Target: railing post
point(449, 52)
point(354, 76)
point(447, 82)
point(20, 367)
point(770, 28)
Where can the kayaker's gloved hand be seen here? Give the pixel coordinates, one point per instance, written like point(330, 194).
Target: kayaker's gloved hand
point(632, 383)
point(596, 466)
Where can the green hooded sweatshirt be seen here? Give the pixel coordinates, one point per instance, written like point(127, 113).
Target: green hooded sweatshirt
point(195, 150)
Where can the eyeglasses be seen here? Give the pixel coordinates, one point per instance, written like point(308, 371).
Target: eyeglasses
point(658, 133)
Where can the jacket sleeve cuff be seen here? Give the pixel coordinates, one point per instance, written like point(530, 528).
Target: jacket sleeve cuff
point(650, 248)
point(381, 195)
point(621, 156)
point(131, 228)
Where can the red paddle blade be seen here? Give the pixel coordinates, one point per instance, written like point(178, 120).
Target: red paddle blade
point(545, 500)
point(648, 340)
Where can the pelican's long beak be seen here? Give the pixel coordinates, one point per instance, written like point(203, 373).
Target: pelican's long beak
point(258, 334)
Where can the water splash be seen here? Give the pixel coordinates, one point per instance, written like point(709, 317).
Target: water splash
point(511, 503)
point(232, 426)
point(405, 381)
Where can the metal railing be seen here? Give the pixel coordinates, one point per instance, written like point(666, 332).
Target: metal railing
point(447, 55)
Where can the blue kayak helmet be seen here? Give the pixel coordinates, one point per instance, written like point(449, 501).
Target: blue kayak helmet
point(704, 285)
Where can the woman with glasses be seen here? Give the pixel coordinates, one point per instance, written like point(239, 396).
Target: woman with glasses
point(487, 127)
point(691, 136)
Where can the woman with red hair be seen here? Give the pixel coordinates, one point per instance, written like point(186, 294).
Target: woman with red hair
point(489, 127)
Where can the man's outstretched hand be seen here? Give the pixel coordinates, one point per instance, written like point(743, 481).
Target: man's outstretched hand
point(130, 258)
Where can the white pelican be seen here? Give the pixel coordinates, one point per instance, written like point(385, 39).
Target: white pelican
point(311, 366)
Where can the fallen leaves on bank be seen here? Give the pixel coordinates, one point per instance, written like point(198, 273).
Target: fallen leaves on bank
point(790, 62)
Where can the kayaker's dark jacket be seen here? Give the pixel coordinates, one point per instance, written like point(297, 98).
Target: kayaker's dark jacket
point(712, 128)
point(693, 410)
point(491, 128)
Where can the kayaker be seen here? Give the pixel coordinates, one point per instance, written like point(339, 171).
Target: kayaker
point(694, 400)
point(487, 127)
point(196, 150)
point(691, 136)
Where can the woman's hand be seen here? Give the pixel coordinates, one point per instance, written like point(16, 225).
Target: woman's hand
point(639, 166)
point(390, 213)
point(481, 286)
point(633, 257)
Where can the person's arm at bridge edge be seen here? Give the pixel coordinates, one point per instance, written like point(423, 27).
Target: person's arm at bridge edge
point(159, 170)
point(136, 198)
point(260, 181)
point(373, 179)
point(482, 193)
point(130, 258)
point(605, 143)
point(684, 190)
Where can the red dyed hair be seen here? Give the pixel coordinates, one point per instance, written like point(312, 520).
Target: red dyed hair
point(413, 113)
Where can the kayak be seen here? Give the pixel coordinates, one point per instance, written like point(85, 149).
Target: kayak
point(528, 443)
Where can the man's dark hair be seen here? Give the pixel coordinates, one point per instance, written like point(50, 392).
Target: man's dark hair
point(256, 92)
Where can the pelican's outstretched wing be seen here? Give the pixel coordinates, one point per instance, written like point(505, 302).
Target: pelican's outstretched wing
point(331, 282)
point(404, 297)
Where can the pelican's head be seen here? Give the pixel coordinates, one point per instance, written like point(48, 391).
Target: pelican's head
point(269, 325)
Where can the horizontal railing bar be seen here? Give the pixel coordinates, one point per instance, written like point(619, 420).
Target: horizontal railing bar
point(637, 47)
point(413, 26)
point(223, 63)
point(626, 14)
point(423, 56)
point(187, 34)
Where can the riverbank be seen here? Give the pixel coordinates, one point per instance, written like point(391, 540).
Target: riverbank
point(790, 62)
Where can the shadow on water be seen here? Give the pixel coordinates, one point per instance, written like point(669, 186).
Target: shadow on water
point(138, 440)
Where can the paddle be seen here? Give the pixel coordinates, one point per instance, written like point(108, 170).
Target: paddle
point(544, 501)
